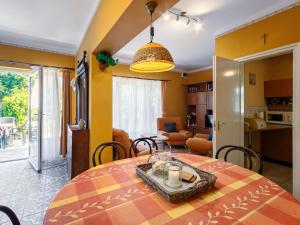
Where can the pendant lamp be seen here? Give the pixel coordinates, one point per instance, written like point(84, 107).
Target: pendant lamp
point(152, 57)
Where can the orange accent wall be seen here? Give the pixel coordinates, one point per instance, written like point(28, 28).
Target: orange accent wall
point(200, 76)
point(281, 29)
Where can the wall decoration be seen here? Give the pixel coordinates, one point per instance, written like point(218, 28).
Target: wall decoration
point(252, 78)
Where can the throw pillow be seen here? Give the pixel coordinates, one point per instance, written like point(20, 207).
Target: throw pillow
point(210, 137)
point(170, 127)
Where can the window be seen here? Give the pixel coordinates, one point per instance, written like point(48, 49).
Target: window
point(137, 103)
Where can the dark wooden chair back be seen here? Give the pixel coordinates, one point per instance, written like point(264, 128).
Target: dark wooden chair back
point(115, 146)
point(249, 154)
point(133, 151)
point(11, 215)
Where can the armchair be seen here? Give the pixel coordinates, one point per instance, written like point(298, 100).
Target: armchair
point(199, 145)
point(122, 137)
point(177, 138)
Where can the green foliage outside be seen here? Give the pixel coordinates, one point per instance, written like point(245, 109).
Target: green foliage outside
point(14, 96)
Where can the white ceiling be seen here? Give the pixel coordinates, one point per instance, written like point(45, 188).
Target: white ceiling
point(51, 25)
point(191, 49)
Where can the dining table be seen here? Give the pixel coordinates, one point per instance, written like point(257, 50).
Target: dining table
point(112, 194)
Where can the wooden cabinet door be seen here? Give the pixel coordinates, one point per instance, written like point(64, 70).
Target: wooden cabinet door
point(192, 98)
point(277, 144)
point(279, 88)
point(209, 105)
point(200, 115)
point(289, 84)
point(201, 98)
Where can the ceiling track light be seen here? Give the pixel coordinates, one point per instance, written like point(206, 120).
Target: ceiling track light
point(183, 15)
point(188, 21)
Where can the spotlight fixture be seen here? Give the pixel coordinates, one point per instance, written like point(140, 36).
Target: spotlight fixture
point(198, 26)
point(183, 15)
point(188, 21)
point(166, 16)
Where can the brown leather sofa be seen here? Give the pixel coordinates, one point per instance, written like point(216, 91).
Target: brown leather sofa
point(122, 137)
point(177, 138)
point(199, 145)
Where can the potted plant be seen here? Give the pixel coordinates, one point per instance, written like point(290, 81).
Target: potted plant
point(105, 60)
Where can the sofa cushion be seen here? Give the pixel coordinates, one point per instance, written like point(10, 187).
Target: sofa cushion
point(199, 146)
point(170, 127)
point(176, 136)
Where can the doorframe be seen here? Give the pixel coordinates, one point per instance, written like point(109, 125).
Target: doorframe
point(295, 49)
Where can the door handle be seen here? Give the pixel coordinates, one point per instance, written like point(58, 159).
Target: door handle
point(218, 125)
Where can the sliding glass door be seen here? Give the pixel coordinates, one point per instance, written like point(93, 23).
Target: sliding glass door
point(35, 117)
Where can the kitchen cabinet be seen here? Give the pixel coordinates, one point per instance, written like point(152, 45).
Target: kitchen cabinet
point(201, 98)
point(209, 104)
point(200, 115)
point(192, 98)
point(277, 144)
point(278, 88)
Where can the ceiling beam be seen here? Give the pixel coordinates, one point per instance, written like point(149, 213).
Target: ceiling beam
point(132, 22)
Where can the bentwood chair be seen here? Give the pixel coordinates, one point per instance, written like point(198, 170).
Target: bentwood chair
point(11, 215)
point(250, 156)
point(116, 147)
point(134, 147)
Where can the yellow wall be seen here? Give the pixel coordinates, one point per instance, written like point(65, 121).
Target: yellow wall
point(11, 53)
point(175, 89)
point(275, 68)
point(201, 76)
point(281, 67)
point(100, 89)
point(24, 55)
point(281, 29)
point(114, 24)
point(254, 94)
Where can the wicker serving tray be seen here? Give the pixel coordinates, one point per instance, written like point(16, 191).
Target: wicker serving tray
point(206, 182)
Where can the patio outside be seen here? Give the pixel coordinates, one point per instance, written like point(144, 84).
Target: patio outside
point(13, 116)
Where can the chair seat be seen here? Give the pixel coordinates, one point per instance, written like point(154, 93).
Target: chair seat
point(143, 149)
point(199, 146)
point(178, 136)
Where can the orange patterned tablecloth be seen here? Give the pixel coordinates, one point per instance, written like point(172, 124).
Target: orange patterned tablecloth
point(113, 194)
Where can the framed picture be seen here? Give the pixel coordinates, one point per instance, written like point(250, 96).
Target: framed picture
point(252, 78)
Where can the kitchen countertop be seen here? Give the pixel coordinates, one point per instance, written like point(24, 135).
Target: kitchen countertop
point(273, 127)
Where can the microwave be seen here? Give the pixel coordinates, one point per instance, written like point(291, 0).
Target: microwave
point(279, 117)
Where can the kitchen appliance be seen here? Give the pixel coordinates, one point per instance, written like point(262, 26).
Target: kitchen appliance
point(255, 123)
point(279, 117)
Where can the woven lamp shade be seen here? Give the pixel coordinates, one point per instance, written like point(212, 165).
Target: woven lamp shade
point(152, 58)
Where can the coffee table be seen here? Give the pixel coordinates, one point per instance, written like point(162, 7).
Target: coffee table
point(158, 138)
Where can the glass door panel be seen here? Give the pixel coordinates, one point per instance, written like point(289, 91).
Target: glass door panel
point(35, 118)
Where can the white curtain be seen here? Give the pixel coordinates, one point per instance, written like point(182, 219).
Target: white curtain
point(136, 105)
point(51, 114)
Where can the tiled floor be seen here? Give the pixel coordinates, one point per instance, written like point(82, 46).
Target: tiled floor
point(13, 153)
point(282, 175)
point(27, 192)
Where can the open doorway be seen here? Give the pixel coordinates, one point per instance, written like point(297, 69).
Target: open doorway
point(268, 109)
point(14, 113)
point(233, 70)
